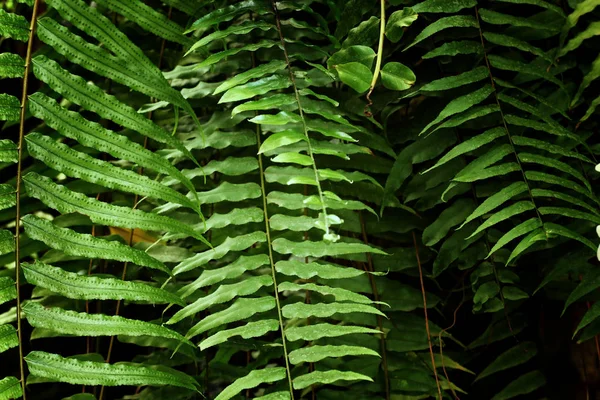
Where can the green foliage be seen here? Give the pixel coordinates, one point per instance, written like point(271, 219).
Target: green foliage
point(352, 192)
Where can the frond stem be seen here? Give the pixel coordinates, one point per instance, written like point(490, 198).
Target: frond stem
point(18, 192)
point(272, 262)
point(301, 112)
point(504, 123)
point(379, 58)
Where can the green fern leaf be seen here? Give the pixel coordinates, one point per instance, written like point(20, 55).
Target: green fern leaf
point(231, 271)
point(338, 293)
point(250, 330)
point(258, 72)
point(517, 66)
point(94, 135)
point(519, 230)
point(224, 293)
point(326, 377)
point(66, 201)
point(8, 290)
point(76, 372)
point(78, 244)
point(496, 18)
point(451, 49)
point(317, 353)
point(10, 107)
point(149, 19)
point(517, 355)
point(11, 66)
point(79, 165)
point(94, 99)
point(241, 309)
point(13, 26)
point(8, 337)
point(523, 385)
point(321, 249)
point(241, 29)
point(74, 286)
point(10, 388)
point(535, 192)
point(325, 310)
point(452, 82)
point(252, 380)
point(555, 164)
point(255, 88)
point(441, 6)
point(318, 331)
point(238, 243)
point(504, 214)
point(83, 324)
point(496, 200)
point(275, 396)
point(314, 269)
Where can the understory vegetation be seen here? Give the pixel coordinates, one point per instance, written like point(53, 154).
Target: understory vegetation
point(299, 199)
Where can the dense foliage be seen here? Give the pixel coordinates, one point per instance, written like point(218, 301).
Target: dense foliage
point(293, 199)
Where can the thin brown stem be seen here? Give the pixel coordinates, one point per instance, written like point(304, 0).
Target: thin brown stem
point(18, 192)
point(383, 346)
point(437, 379)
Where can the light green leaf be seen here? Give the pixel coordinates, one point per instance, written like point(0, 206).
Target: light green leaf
point(397, 21)
point(517, 355)
point(9, 151)
point(325, 310)
point(253, 379)
point(455, 21)
point(326, 377)
point(315, 269)
point(589, 282)
point(537, 235)
point(317, 353)
point(318, 331)
point(356, 75)
point(240, 29)
point(590, 316)
point(74, 286)
point(509, 41)
point(10, 107)
point(519, 230)
point(338, 293)
point(10, 388)
point(67, 201)
point(321, 249)
point(223, 294)
point(231, 271)
point(293, 158)
point(361, 54)
point(250, 330)
point(571, 213)
point(7, 242)
point(549, 147)
point(83, 324)
point(553, 163)
point(69, 370)
point(258, 72)
point(535, 192)
point(524, 384)
point(11, 65)
point(301, 223)
point(517, 66)
point(593, 29)
point(13, 26)
point(242, 309)
point(255, 88)
point(84, 245)
point(397, 76)
point(237, 243)
point(461, 104)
